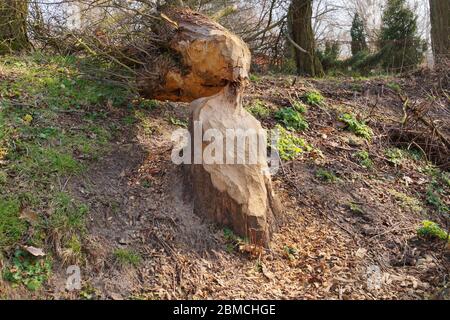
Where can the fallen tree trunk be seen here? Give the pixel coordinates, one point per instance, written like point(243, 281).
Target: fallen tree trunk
point(207, 65)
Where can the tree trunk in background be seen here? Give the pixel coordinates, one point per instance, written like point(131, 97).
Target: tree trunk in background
point(300, 14)
point(440, 28)
point(13, 25)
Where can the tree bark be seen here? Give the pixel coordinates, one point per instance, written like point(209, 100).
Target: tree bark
point(13, 25)
point(440, 28)
point(300, 15)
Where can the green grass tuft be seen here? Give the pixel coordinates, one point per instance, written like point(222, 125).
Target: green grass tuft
point(127, 257)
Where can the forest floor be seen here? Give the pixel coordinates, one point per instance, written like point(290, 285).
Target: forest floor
point(86, 179)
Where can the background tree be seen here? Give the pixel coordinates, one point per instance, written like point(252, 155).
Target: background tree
point(302, 38)
point(358, 35)
point(399, 40)
point(440, 27)
point(13, 25)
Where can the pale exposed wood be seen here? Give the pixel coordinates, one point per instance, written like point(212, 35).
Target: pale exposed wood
point(202, 58)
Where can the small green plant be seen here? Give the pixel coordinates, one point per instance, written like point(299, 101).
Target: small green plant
point(394, 86)
point(434, 194)
point(228, 234)
point(73, 250)
point(258, 266)
point(357, 127)
point(3, 177)
point(364, 159)
point(313, 98)
point(395, 155)
point(299, 106)
point(430, 170)
point(290, 146)
point(254, 78)
point(291, 119)
point(326, 175)
point(432, 230)
point(178, 122)
point(129, 120)
point(145, 123)
point(127, 257)
point(233, 240)
point(88, 292)
point(355, 208)
point(27, 270)
point(290, 252)
point(406, 201)
point(445, 176)
point(258, 109)
point(413, 154)
point(149, 104)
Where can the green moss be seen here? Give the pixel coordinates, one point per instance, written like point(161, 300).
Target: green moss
point(430, 229)
point(12, 227)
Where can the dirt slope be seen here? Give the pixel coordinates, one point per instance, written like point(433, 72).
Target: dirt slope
point(343, 219)
point(323, 250)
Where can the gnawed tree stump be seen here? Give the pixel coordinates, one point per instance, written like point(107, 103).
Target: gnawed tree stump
point(239, 194)
point(208, 66)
